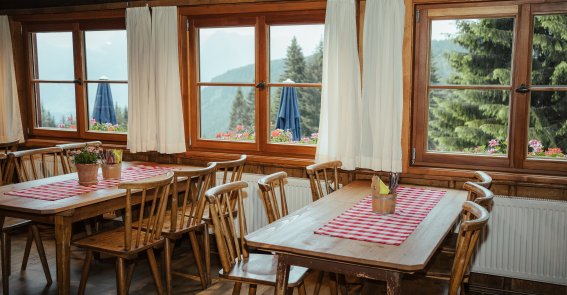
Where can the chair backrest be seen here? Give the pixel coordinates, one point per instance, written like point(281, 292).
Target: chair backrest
point(3, 158)
point(479, 194)
point(483, 179)
point(37, 164)
point(153, 193)
point(269, 186)
point(474, 218)
point(6, 147)
point(68, 148)
point(328, 174)
point(230, 243)
point(231, 170)
point(188, 211)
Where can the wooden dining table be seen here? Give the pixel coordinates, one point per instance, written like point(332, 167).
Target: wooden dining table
point(293, 240)
point(64, 212)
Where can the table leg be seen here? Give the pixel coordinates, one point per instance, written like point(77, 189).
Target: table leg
point(5, 259)
point(63, 252)
point(282, 275)
point(393, 283)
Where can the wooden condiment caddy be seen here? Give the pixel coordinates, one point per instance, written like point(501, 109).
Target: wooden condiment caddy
point(382, 203)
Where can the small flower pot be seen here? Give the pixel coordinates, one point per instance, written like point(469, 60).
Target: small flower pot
point(87, 173)
point(384, 204)
point(112, 171)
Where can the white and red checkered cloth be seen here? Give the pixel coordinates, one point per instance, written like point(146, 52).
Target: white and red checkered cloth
point(69, 188)
point(360, 223)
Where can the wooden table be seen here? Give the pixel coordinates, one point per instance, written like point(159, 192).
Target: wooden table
point(295, 243)
point(63, 213)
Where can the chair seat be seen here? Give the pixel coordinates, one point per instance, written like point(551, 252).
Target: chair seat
point(441, 266)
point(14, 223)
point(112, 242)
point(166, 230)
point(261, 269)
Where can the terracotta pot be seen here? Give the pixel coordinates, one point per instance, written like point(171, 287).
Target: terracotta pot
point(111, 171)
point(88, 173)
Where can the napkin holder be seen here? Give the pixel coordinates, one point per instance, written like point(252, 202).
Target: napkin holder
point(382, 203)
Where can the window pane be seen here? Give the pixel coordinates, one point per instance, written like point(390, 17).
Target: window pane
point(108, 107)
point(57, 105)
point(228, 113)
point(549, 51)
point(226, 54)
point(308, 106)
point(106, 55)
point(296, 53)
point(468, 121)
point(54, 56)
point(547, 132)
point(471, 51)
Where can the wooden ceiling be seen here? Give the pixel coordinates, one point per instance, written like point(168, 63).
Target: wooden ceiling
point(31, 4)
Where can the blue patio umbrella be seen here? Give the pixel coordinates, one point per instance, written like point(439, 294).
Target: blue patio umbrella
point(288, 115)
point(103, 110)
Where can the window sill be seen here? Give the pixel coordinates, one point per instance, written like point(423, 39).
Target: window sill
point(291, 161)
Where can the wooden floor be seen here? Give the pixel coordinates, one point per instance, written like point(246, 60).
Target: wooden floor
point(102, 277)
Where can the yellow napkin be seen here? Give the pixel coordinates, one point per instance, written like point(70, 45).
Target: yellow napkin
point(384, 190)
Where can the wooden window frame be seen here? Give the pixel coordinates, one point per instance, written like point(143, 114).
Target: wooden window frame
point(78, 27)
point(517, 160)
point(261, 16)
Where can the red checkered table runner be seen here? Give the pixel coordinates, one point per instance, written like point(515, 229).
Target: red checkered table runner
point(360, 223)
point(69, 188)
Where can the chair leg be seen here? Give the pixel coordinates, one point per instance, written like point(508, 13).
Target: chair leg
point(342, 284)
point(120, 276)
point(198, 261)
point(154, 269)
point(319, 282)
point(167, 265)
point(85, 272)
point(29, 241)
point(236, 288)
point(41, 252)
point(207, 248)
point(301, 289)
point(289, 291)
point(6, 253)
point(129, 275)
point(252, 289)
point(333, 283)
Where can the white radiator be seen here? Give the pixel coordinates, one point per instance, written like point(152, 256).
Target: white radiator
point(525, 238)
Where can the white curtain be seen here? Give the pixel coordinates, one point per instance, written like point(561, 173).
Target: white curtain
point(10, 121)
point(339, 127)
point(382, 92)
point(154, 90)
point(170, 131)
point(142, 116)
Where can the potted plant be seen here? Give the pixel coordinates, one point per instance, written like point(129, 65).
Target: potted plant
point(112, 164)
point(87, 161)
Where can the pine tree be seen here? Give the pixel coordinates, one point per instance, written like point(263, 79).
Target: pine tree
point(238, 112)
point(310, 97)
point(250, 111)
point(47, 119)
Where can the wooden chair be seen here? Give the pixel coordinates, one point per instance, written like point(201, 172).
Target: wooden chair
point(268, 186)
point(5, 148)
point(326, 173)
point(231, 170)
point(37, 164)
point(483, 179)
point(238, 265)
point(68, 148)
point(455, 268)
point(185, 217)
point(29, 165)
point(126, 242)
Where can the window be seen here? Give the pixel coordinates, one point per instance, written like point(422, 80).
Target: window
point(78, 80)
point(491, 87)
point(240, 69)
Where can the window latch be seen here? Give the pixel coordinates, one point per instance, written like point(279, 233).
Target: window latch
point(78, 81)
point(261, 85)
point(523, 89)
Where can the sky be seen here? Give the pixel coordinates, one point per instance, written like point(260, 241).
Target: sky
point(442, 29)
